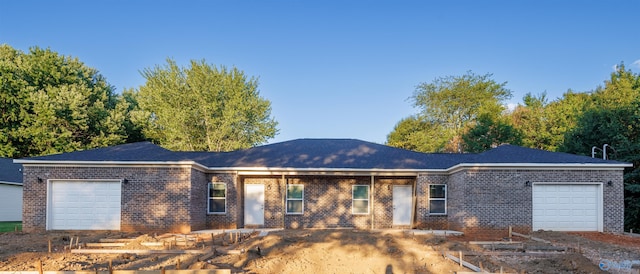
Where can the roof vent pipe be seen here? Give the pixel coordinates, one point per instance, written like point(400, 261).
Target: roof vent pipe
point(593, 151)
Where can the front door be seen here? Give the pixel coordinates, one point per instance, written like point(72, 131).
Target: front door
point(254, 205)
point(402, 205)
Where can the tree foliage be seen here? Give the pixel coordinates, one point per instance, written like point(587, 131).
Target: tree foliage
point(203, 108)
point(488, 133)
point(613, 118)
point(417, 134)
point(447, 105)
point(51, 103)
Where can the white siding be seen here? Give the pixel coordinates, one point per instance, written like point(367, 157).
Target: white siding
point(10, 202)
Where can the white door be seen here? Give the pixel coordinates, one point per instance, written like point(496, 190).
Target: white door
point(402, 201)
point(253, 204)
point(84, 205)
point(567, 207)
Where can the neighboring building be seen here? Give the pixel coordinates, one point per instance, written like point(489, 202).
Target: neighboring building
point(321, 183)
point(10, 191)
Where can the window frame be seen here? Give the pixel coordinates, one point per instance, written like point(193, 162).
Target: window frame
point(438, 199)
point(287, 199)
point(353, 199)
point(209, 198)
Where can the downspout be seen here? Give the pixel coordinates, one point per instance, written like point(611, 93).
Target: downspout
point(284, 197)
point(372, 202)
point(414, 202)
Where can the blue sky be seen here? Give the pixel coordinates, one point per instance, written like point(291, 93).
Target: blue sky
point(341, 69)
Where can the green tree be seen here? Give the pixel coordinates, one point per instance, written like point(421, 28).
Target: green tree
point(203, 108)
point(488, 133)
point(613, 118)
point(51, 103)
point(530, 120)
point(448, 104)
point(416, 134)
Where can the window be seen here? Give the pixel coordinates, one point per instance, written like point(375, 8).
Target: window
point(438, 199)
point(295, 199)
point(360, 199)
point(217, 198)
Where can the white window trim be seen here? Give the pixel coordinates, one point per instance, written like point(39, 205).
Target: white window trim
point(209, 198)
point(368, 199)
point(294, 199)
point(438, 199)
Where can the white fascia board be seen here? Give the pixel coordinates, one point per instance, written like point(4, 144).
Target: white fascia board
point(540, 166)
point(10, 183)
point(323, 171)
point(155, 164)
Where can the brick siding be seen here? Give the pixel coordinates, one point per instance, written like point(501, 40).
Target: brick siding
point(492, 199)
point(153, 199)
point(215, 220)
point(175, 198)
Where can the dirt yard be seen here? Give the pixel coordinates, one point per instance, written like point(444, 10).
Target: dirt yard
point(321, 251)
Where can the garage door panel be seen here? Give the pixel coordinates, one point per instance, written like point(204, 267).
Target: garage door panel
point(78, 205)
point(566, 207)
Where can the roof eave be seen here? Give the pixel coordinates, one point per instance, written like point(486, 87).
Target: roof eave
point(540, 166)
point(26, 162)
point(325, 171)
point(11, 183)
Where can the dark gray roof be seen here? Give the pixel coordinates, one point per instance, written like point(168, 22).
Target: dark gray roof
point(516, 154)
point(138, 152)
point(323, 154)
point(10, 172)
point(330, 153)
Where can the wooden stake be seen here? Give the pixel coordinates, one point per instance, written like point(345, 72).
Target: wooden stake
point(162, 270)
point(110, 266)
point(460, 255)
point(510, 231)
point(49, 245)
point(178, 265)
point(40, 267)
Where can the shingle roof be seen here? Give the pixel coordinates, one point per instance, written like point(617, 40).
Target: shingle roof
point(138, 152)
point(517, 154)
point(330, 153)
point(10, 172)
point(323, 154)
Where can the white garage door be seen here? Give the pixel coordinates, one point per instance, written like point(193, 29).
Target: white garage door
point(82, 205)
point(567, 207)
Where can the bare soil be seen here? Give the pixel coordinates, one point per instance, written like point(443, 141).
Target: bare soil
point(328, 251)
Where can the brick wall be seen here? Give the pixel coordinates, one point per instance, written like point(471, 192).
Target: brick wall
point(495, 199)
point(153, 199)
point(230, 218)
point(198, 198)
point(383, 200)
point(327, 201)
point(175, 198)
point(425, 220)
point(273, 199)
